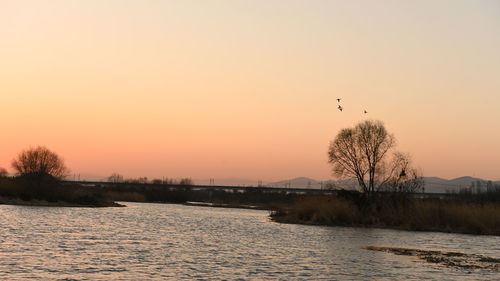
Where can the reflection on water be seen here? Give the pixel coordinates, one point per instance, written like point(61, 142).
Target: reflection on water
point(163, 241)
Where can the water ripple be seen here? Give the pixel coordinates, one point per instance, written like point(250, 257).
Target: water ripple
point(175, 242)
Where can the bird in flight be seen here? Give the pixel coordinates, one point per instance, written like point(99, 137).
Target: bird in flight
point(340, 108)
point(338, 99)
point(366, 111)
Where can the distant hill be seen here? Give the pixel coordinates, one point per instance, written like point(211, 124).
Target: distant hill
point(300, 182)
point(304, 182)
point(432, 184)
point(227, 181)
point(439, 185)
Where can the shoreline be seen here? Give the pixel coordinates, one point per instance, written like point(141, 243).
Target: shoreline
point(226, 205)
point(400, 228)
point(404, 214)
point(44, 203)
point(287, 220)
point(272, 215)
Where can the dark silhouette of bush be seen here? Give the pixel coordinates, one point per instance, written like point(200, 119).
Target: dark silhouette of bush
point(25, 190)
point(3, 173)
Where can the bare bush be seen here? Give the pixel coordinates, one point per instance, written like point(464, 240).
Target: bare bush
point(3, 172)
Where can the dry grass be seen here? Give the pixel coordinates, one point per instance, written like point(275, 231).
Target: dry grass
point(319, 210)
point(410, 214)
point(455, 216)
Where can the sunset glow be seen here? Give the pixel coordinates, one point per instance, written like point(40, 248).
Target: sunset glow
point(248, 89)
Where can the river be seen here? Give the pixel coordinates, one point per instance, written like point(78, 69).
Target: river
point(177, 242)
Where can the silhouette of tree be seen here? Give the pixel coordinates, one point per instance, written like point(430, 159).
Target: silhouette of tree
point(489, 186)
point(157, 181)
point(115, 177)
point(186, 181)
point(363, 153)
point(40, 163)
point(3, 172)
point(402, 177)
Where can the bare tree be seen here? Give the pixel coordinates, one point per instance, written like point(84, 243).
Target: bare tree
point(40, 163)
point(115, 177)
point(363, 153)
point(157, 181)
point(186, 181)
point(401, 177)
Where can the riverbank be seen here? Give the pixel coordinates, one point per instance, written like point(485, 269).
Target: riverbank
point(175, 242)
point(21, 191)
point(45, 203)
point(232, 206)
point(408, 214)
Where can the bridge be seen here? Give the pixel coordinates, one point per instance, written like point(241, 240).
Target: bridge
point(264, 189)
point(205, 187)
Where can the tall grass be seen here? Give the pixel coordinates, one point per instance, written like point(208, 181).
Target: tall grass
point(319, 210)
point(410, 214)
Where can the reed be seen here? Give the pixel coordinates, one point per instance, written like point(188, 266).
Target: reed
point(409, 214)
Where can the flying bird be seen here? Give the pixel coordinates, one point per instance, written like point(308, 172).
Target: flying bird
point(338, 99)
point(366, 112)
point(340, 108)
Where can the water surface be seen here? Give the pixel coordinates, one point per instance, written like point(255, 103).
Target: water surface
point(166, 241)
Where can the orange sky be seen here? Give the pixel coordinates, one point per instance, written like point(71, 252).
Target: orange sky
point(247, 89)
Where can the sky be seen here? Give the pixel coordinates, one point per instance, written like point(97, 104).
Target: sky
point(247, 89)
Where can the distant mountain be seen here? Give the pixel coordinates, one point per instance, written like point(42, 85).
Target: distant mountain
point(300, 182)
point(439, 185)
point(304, 182)
point(228, 182)
point(432, 184)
